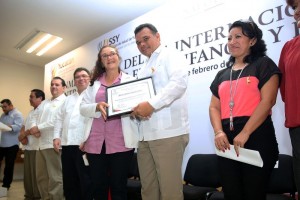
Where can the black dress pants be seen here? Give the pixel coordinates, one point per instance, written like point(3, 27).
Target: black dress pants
point(242, 181)
point(10, 154)
point(76, 176)
point(110, 172)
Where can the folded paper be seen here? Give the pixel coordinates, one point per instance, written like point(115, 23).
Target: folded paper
point(4, 127)
point(248, 156)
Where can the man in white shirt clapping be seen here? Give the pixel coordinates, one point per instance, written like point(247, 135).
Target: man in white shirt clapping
point(48, 161)
point(30, 146)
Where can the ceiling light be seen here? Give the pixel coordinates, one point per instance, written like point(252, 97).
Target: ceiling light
point(49, 46)
point(38, 42)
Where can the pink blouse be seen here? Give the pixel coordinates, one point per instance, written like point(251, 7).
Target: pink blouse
point(109, 131)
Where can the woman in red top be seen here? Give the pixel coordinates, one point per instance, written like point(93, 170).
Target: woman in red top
point(289, 64)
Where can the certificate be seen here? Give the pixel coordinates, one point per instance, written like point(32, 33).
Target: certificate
point(125, 96)
point(248, 156)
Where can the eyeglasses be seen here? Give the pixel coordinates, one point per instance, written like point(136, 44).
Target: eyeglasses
point(82, 76)
point(105, 56)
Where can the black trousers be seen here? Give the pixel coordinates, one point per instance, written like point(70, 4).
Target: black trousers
point(76, 176)
point(247, 182)
point(110, 172)
point(10, 154)
point(295, 140)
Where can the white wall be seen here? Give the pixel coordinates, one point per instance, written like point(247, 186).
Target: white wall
point(16, 82)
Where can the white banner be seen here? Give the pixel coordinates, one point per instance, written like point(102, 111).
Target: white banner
point(198, 30)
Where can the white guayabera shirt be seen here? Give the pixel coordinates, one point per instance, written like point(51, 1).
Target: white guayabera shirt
point(169, 74)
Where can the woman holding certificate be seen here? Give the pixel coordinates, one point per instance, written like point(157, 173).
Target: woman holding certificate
point(243, 95)
point(108, 156)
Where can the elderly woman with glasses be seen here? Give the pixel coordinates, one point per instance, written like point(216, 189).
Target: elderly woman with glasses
point(108, 155)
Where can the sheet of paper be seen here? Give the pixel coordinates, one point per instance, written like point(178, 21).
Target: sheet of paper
point(248, 156)
point(4, 127)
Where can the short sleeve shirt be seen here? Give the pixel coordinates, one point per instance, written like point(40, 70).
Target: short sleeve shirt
point(245, 87)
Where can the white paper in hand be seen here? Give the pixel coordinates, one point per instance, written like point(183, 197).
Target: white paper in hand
point(4, 127)
point(248, 156)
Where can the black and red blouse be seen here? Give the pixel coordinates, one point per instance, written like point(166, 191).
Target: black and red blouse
point(247, 95)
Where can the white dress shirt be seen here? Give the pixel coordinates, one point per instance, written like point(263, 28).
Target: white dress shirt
point(169, 73)
point(44, 119)
point(33, 142)
point(69, 123)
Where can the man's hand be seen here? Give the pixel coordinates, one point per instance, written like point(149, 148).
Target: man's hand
point(143, 110)
point(34, 130)
point(24, 141)
point(81, 146)
point(37, 134)
point(56, 144)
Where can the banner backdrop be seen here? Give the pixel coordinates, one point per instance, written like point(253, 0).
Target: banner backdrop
point(198, 30)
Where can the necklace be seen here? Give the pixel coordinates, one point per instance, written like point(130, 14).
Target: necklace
point(232, 94)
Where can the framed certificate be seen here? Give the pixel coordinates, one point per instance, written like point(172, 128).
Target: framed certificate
point(125, 96)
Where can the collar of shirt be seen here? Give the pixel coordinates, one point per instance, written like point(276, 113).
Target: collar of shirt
point(59, 98)
point(157, 51)
point(10, 112)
